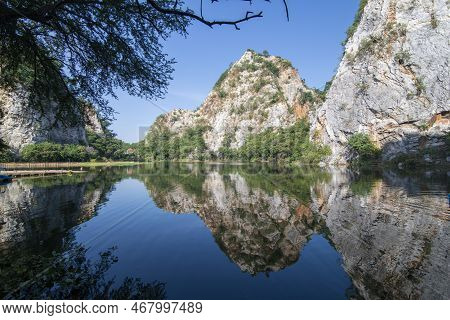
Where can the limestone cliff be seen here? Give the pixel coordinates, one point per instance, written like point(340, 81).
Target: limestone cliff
point(256, 93)
point(92, 121)
point(393, 82)
point(21, 125)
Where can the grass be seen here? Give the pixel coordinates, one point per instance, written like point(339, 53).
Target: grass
point(434, 21)
point(221, 79)
point(403, 57)
point(420, 86)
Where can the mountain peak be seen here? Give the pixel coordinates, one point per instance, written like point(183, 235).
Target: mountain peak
point(256, 93)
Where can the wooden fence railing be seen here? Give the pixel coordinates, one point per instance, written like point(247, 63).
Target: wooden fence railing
point(43, 165)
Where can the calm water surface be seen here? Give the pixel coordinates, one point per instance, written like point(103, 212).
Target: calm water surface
point(197, 231)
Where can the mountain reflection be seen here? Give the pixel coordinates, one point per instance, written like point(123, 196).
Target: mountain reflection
point(391, 228)
point(260, 218)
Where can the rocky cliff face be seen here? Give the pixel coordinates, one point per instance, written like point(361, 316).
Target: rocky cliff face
point(393, 82)
point(91, 120)
point(256, 93)
point(21, 125)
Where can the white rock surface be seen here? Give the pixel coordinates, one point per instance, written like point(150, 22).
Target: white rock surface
point(249, 99)
point(393, 82)
point(22, 125)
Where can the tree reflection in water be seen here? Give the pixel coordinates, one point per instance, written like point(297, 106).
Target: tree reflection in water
point(70, 275)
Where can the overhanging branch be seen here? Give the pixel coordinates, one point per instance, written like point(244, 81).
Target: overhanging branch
point(210, 23)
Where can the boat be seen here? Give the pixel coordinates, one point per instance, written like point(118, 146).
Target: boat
point(3, 177)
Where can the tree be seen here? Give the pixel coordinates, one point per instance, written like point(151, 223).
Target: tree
point(65, 50)
point(5, 154)
point(53, 152)
point(364, 147)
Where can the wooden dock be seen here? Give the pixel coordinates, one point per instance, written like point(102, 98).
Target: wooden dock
point(28, 173)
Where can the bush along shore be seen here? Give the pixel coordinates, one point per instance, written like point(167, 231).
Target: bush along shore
point(367, 154)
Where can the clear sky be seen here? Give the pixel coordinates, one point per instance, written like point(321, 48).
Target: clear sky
point(311, 40)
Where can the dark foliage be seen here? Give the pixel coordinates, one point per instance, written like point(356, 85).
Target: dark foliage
point(290, 144)
point(68, 50)
point(160, 144)
point(352, 29)
point(364, 147)
point(70, 275)
point(52, 152)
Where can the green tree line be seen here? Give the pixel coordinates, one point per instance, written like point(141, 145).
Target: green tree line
point(290, 144)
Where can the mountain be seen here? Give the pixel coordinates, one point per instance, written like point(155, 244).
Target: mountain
point(259, 92)
point(392, 83)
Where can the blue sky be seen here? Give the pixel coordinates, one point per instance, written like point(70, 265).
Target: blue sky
point(310, 40)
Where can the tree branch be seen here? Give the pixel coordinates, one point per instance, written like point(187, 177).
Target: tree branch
point(190, 14)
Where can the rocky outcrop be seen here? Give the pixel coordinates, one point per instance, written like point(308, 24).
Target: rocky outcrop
point(21, 124)
point(91, 120)
point(256, 93)
point(393, 82)
point(393, 237)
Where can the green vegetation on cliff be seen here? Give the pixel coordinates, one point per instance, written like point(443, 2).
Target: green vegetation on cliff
point(352, 29)
point(364, 147)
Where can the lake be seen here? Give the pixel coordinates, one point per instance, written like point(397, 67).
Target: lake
point(215, 231)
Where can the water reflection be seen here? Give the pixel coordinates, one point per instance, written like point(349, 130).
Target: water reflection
point(39, 258)
point(260, 218)
point(381, 234)
point(392, 231)
point(70, 275)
